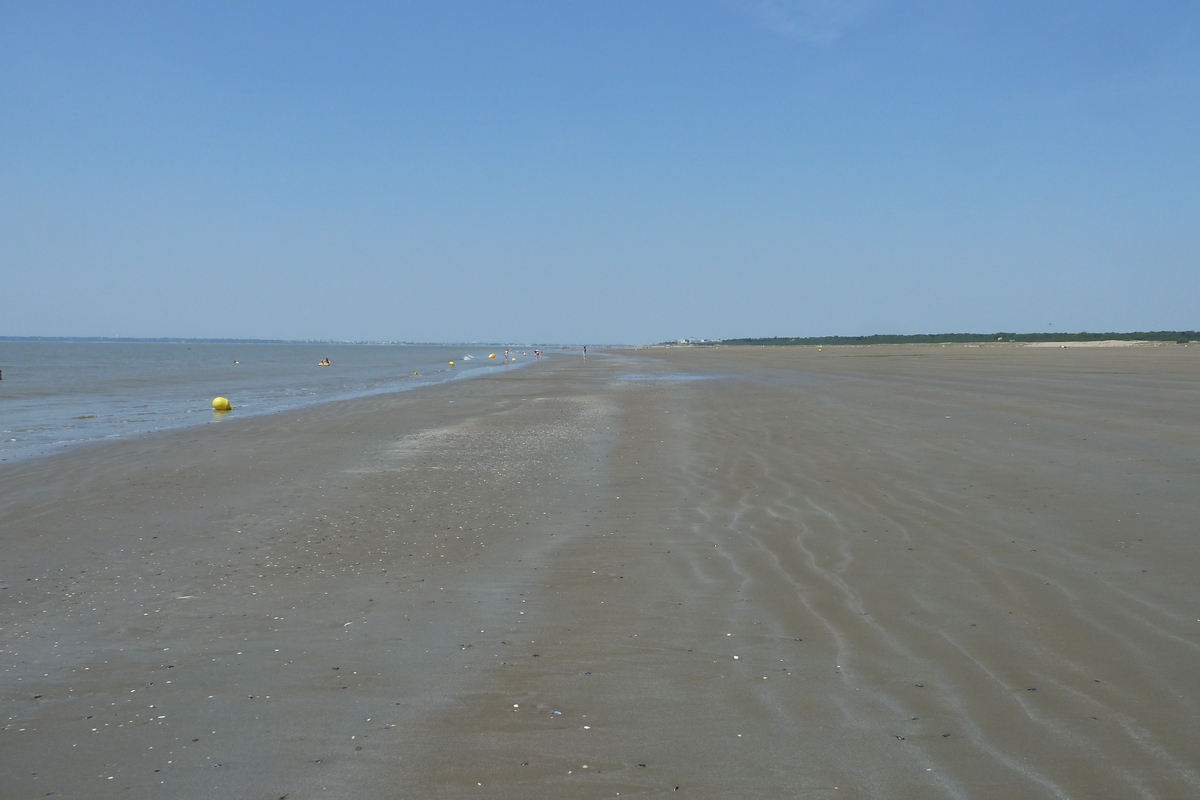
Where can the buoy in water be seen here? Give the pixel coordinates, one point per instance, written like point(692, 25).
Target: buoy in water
point(452, 363)
point(221, 404)
point(493, 355)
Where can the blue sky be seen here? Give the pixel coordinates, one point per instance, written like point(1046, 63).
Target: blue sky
point(598, 171)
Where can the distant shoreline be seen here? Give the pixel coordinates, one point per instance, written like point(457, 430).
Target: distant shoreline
point(1044, 339)
point(1110, 338)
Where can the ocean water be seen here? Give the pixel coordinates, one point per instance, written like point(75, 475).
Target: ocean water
point(57, 394)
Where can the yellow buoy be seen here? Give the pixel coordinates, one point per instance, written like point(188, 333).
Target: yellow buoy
point(221, 404)
point(452, 363)
point(493, 355)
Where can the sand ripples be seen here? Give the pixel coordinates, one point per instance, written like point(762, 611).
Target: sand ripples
point(906, 546)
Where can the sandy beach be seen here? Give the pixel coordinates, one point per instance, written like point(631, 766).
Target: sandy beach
point(861, 572)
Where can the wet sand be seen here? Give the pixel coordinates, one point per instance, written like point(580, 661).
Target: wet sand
point(884, 572)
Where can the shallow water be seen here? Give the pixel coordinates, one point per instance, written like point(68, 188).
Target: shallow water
point(56, 394)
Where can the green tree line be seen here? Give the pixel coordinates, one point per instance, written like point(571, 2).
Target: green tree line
point(968, 338)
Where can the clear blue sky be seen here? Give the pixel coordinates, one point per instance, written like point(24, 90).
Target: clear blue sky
point(598, 171)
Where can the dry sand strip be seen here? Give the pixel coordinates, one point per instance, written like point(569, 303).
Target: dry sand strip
point(889, 572)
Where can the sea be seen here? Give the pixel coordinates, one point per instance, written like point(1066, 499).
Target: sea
point(56, 394)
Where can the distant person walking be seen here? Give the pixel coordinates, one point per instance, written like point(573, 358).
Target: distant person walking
point(585, 352)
